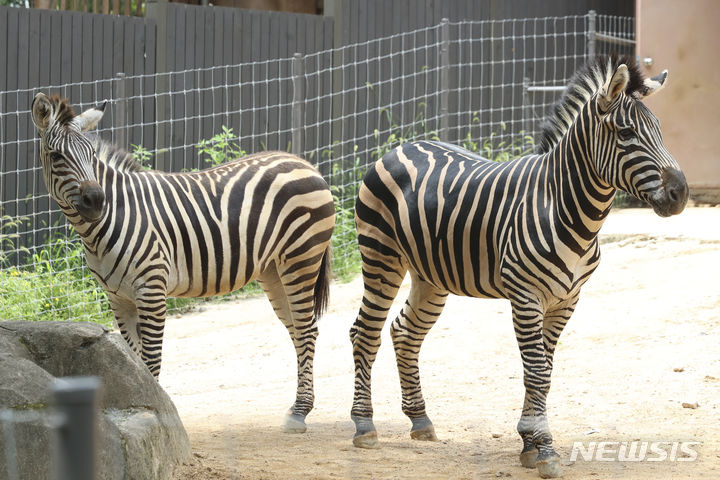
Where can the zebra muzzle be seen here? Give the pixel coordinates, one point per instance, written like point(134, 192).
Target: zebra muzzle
point(672, 195)
point(92, 201)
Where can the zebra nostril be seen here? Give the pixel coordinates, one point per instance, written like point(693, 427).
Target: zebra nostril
point(676, 189)
point(92, 198)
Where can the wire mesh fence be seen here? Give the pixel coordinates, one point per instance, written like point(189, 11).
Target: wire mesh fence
point(485, 85)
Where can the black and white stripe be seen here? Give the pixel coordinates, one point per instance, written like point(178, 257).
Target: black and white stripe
point(149, 235)
point(525, 230)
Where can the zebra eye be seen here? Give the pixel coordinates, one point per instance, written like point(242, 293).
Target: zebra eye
point(56, 157)
point(626, 133)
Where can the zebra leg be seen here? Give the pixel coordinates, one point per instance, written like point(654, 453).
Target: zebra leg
point(421, 310)
point(298, 277)
point(142, 325)
point(126, 317)
point(275, 291)
point(537, 335)
point(533, 426)
point(151, 307)
point(382, 277)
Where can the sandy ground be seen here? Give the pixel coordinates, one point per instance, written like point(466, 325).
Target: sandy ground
point(644, 339)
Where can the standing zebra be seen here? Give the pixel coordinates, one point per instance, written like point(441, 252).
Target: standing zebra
point(525, 230)
point(149, 235)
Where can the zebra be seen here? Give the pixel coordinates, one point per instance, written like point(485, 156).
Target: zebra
point(148, 235)
point(525, 230)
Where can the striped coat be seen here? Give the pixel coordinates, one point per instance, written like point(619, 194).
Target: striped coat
point(149, 235)
point(525, 230)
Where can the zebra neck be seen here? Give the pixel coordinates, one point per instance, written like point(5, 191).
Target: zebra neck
point(90, 232)
point(582, 198)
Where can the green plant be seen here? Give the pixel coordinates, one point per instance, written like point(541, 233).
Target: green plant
point(346, 256)
point(496, 149)
point(54, 284)
point(8, 235)
point(142, 155)
point(221, 148)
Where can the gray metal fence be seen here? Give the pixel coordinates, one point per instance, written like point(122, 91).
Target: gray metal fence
point(66, 431)
point(481, 84)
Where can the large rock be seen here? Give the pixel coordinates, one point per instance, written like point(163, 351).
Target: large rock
point(140, 435)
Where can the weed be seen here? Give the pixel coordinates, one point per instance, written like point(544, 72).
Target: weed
point(9, 227)
point(142, 155)
point(53, 285)
point(221, 148)
point(495, 148)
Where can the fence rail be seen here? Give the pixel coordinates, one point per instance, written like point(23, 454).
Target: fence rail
point(485, 85)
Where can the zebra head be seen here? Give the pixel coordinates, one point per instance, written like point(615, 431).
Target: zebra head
point(629, 144)
point(67, 157)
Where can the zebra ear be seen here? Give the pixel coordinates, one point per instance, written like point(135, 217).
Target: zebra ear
point(42, 111)
point(612, 90)
point(654, 84)
point(89, 118)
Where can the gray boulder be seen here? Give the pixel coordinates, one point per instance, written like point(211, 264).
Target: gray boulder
point(140, 435)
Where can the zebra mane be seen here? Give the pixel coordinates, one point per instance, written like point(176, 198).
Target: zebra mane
point(63, 111)
point(114, 156)
point(583, 85)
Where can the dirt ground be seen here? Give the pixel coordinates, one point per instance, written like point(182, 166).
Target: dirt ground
point(644, 339)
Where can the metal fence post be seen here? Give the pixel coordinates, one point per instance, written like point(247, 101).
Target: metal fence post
point(527, 109)
point(334, 9)
point(157, 10)
point(7, 418)
point(76, 401)
point(297, 147)
point(444, 77)
point(592, 31)
point(121, 107)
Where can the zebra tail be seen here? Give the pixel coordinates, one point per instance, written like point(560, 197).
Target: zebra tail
point(322, 286)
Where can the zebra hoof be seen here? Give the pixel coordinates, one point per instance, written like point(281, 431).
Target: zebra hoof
point(294, 423)
point(549, 467)
point(427, 435)
point(423, 429)
point(528, 459)
point(365, 433)
point(366, 440)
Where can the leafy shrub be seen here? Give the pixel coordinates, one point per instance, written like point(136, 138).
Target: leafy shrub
point(221, 148)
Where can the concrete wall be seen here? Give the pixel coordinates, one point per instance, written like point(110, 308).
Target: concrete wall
point(684, 37)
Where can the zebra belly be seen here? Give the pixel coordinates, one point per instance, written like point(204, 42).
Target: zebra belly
point(198, 292)
point(209, 280)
